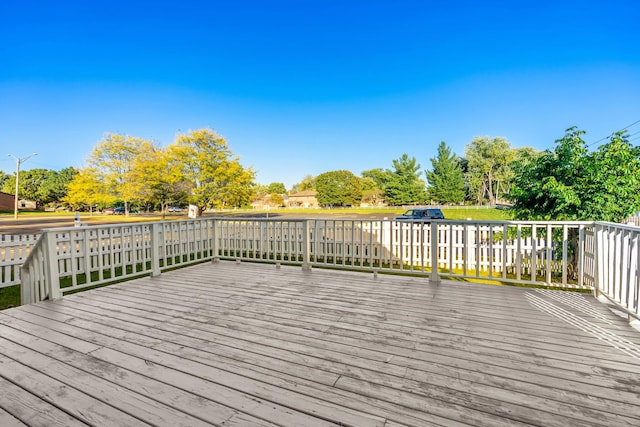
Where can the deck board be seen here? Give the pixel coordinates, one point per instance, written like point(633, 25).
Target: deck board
point(251, 344)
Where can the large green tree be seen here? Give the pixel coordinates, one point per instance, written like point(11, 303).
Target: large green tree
point(380, 176)
point(338, 188)
point(571, 183)
point(3, 177)
point(489, 171)
point(446, 183)
point(42, 186)
point(55, 188)
point(276, 188)
point(371, 193)
point(405, 186)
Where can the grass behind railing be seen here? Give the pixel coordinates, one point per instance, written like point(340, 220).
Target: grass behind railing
point(9, 297)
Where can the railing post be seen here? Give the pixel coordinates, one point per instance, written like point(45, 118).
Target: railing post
point(25, 286)
point(216, 246)
point(306, 245)
point(51, 266)
point(155, 248)
point(581, 254)
point(433, 230)
point(598, 258)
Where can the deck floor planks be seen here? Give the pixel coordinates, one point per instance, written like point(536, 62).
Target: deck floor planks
point(328, 394)
point(199, 407)
point(207, 380)
point(447, 354)
point(481, 337)
point(266, 324)
point(451, 328)
point(204, 332)
point(230, 341)
point(555, 352)
point(518, 312)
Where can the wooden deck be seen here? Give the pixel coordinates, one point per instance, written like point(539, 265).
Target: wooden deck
point(249, 344)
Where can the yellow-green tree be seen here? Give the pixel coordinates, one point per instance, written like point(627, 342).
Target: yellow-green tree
point(217, 179)
point(159, 182)
point(114, 159)
point(86, 189)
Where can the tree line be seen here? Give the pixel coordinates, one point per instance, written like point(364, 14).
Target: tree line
point(483, 176)
point(567, 182)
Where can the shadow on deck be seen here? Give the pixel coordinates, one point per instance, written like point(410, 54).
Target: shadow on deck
point(248, 344)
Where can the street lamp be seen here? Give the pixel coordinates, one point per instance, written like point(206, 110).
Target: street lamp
point(18, 162)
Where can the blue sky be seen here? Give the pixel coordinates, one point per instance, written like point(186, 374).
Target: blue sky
point(305, 87)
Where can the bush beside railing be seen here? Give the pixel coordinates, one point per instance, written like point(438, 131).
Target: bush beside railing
point(558, 254)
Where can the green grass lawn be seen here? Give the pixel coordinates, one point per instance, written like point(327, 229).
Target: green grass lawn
point(9, 297)
point(479, 214)
point(454, 212)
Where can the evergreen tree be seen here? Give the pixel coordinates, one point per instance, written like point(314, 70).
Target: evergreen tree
point(405, 186)
point(445, 180)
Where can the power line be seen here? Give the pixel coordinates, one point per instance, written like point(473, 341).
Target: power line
point(632, 124)
point(609, 136)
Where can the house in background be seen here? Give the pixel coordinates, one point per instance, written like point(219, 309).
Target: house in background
point(6, 202)
point(303, 199)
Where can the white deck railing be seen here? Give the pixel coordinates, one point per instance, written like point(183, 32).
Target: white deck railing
point(599, 256)
point(14, 250)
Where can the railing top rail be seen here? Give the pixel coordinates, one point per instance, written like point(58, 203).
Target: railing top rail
point(247, 218)
point(439, 221)
point(510, 222)
point(629, 227)
point(119, 224)
point(240, 219)
point(34, 249)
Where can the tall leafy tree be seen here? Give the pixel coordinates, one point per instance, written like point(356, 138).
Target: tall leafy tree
point(160, 184)
point(380, 176)
point(371, 193)
point(86, 189)
point(446, 183)
point(4, 177)
point(338, 188)
point(489, 168)
point(571, 183)
point(43, 186)
point(113, 161)
point(405, 186)
point(612, 192)
point(308, 183)
point(55, 188)
point(276, 188)
point(29, 186)
point(203, 159)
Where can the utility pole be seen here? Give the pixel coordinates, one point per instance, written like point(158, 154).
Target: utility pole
point(18, 162)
